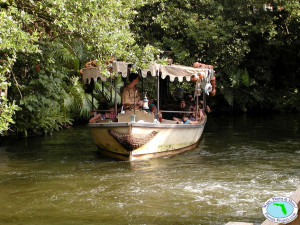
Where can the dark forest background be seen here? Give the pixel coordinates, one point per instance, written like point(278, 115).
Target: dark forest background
point(253, 45)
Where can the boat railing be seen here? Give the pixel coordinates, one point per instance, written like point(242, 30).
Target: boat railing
point(168, 111)
point(103, 110)
point(163, 111)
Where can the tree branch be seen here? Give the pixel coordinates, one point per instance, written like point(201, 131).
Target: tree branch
point(17, 84)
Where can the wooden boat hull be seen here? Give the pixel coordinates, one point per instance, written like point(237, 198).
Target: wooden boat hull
point(138, 141)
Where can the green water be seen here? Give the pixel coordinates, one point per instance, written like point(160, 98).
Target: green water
point(240, 163)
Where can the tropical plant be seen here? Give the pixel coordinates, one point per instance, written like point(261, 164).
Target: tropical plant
point(7, 109)
point(261, 37)
point(54, 40)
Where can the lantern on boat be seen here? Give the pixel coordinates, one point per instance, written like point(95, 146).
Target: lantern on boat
point(145, 103)
point(198, 92)
point(132, 118)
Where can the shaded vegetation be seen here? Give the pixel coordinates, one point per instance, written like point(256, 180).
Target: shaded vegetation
point(254, 46)
point(45, 43)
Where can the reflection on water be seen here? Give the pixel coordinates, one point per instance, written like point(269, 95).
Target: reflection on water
point(239, 164)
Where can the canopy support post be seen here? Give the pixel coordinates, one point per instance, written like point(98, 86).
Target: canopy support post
point(116, 108)
point(93, 86)
point(204, 102)
point(197, 105)
point(157, 91)
point(110, 89)
point(92, 100)
point(142, 85)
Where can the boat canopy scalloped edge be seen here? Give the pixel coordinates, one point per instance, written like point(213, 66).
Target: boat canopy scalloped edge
point(173, 71)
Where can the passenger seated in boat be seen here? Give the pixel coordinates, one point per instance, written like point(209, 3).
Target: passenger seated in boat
point(190, 100)
point(200, 114)
point(111, 114)
point(182, 107)
point(207, 109)
point(130, 91)
point(97, 117)
point(186, 120)
point(152, 107)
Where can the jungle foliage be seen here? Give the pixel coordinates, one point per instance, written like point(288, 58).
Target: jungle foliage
point(254, 46)
point(43, 44)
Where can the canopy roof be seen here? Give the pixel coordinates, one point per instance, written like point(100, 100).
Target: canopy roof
point(172, 71)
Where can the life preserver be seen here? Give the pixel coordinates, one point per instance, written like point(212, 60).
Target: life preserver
point(110, 60)
point(88, 64)
point(210, 67)
point(196, 65)
point(210, 88)
point(201, 75)
point(199, 65)
point(197, 77)
point(213, 92)
point(194, 78)
point(94, 63)
point(213, 85)
point(91, 64)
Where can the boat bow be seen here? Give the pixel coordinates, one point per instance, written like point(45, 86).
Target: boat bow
point(131, 142)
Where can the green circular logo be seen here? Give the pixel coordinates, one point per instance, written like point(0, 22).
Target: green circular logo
point(280, 209)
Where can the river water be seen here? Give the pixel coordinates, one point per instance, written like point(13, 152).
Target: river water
point(240, 162)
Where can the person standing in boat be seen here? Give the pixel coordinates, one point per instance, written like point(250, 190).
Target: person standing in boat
point(130, 94)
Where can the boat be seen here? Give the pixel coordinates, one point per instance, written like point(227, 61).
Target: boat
point(138, 135)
